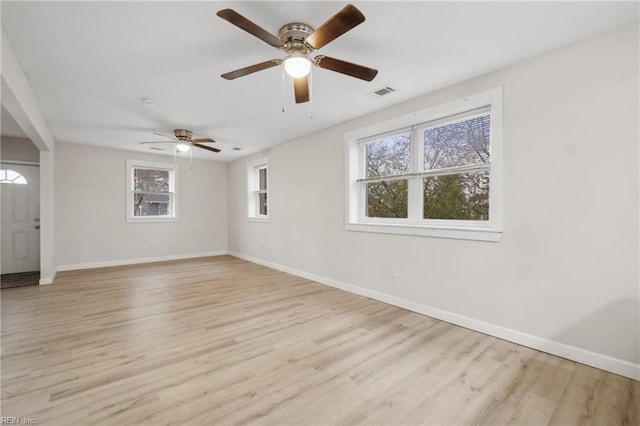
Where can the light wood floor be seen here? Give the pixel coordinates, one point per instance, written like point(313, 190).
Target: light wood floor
point(224, 341)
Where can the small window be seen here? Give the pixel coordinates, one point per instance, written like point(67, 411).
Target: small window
point(13, 177)
point(151, 191)
point(258, 190)
point(436, 172)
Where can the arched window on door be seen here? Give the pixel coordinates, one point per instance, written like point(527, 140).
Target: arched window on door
point(11, 176)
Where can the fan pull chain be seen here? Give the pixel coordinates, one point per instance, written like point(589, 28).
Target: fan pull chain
point(191, 158)
point(282, 88)
point(175, 154)
point(311, 94)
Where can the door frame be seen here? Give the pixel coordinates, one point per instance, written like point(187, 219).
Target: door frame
point(21, 102)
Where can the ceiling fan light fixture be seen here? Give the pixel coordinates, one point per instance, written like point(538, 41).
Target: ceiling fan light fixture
point(183, 146)
point(297, 65)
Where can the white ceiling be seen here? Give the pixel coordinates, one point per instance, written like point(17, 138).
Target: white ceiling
point(90, 63)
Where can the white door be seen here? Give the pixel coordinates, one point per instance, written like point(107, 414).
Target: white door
point(20, 223)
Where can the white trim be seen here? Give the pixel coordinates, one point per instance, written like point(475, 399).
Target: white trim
point(151, 219)
point(125, 262)
point(48, 280)
point(574, 353)
point(20, 163)
point(258, 219)
point(476, 234)
point(425, 173)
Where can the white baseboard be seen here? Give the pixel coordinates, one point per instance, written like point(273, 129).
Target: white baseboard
point(125, 262)
point(583, 356)
point(47, 280)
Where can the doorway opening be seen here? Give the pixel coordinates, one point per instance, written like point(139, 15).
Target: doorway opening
point(20, 223)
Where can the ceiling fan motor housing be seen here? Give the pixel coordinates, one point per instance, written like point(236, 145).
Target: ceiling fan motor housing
point(183, 134)
point(293, 36)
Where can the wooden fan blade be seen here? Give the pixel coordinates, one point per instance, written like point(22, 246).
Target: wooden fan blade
point(343, 21)
point(301, 89)
point(344, 67)
point(251, 69)
point(202, 140)
point(208, 148)
point(252, 28)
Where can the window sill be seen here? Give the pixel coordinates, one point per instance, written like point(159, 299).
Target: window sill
point(148, 219)
point(258, 219)
point(476, 234)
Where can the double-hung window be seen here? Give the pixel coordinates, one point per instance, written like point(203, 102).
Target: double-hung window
point(151, 191)
point(258, 190)
point(436, 172)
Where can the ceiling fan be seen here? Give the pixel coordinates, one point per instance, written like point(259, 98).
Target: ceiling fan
point(298, 40)
point(183, 141)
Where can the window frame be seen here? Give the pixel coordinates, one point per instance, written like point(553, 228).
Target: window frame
point(172, 168)
point(254, 190)
point(417, 122)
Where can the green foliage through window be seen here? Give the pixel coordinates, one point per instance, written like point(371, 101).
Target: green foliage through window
point(387, 198)
point(462, 196)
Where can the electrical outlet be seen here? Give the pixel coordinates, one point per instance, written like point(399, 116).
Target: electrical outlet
point(393, 271)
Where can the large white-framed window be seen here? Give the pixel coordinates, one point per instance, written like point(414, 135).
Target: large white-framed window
point(258, 190)
point(435, 172)
point(151, 191)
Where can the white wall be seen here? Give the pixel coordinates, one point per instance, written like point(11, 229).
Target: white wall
point(90, 210)
point(18, 149)
point(564, 277)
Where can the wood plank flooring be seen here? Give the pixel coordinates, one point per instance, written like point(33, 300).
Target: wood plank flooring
point(223, 341)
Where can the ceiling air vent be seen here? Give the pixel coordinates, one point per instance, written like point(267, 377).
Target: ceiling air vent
point(384, 91)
